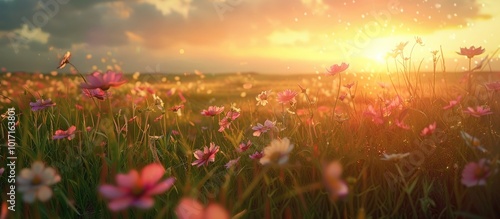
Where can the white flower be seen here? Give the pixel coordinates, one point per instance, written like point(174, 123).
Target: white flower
point(34, 183)
point(277, 152)
point(395, 157)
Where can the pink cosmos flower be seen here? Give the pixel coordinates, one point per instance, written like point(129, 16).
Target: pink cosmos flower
point(232, 163)
point(342, 96)
point(64, 60)
point(493, 86)
point(471, 51)
point(262, 98)
point(287, 96)
point(335, 69)
point(70, 133)
point(212, 111)
point(41, 104)
point(257, 155)
point(374, 115)
point(191, 209)
point(428, 130)
point(453, 103)
point(176, 108)
point(349, 86)
point(259, 128)
point(134, 189)
point(479, 111)
point(103, 81)
point(401, 124)
point(226, 121)
point(332, 174)
point(205, 156)
point(243, 147)
point(476, 174)
point(97, 93)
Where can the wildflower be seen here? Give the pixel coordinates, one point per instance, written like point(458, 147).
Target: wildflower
point(335, 69)
point(349, 86)
point(401, 124)
point(205, 156)
point(471, 51)
point(287, 96)
point(336, 187)
point(472, 141)
point(453, 103)
point(375, 116)
point(212, 111)
point(257, 155)
point(232, 163)
point(476, 174)
point(158, 102)
point(226, 121)
point(103, 81)
point(259, 128)
point(493, 86)
point(394, 157)
point(134, 189)
point(35, 183)
point(262, 98)
point(177, 108)
point(41, 104)
point(401, 46)
point(70, 133)
point(342, 96)
point(419, 41)
point(64, 60)
point(243, 147)
point(428, 130)
point(78, 107)
point(191, 209)
point(277, 152)
point(479, 111)
point(97, 93)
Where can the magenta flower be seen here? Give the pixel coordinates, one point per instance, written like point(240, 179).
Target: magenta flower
point(191, 209)
point(335, 69)
point(70, 133)
point(243, 147)
point(212, 111)
point(97, 93)
point(493, 86)
point(332, 174)
point(103, 81)
point(401, 124)
point(428, 130)
point(471, 51)
point(349, 86)
point(476, 174)
point(479, 111)
point(41, 104)
point(205, 156)
point(232, 163)
point(134, 189)
point(257, 155)
point(287, 96)
point(374, 115)
point(259, 128)
point(226, 121)
point(453, 103)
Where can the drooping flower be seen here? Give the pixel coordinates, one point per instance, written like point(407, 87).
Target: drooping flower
point(212, 111)
point(137, 190)
point(103, 81)
point(277, 152)
point(332, 179)
point(476, 174)
point(41, 104)
point(262, 98)
point(70, 133)
point(472, 141)
point(259, 128)
point(64, 60)
point(158, 102)
point(35, 182)
point(471, 51)
point(479, 111)
point(232, 163)
point(335, 69)
point(257, 155)
point(243, 147)
point(394, 157)
point(205, 156)
point(191, 209)
point(428, 130)
point(97, 93)
point(286, 96)
point(493, 86)
point(453, 103)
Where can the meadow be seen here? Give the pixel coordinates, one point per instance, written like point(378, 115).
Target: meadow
point(334, 144)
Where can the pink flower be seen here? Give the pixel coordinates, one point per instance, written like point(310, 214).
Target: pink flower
point(342, 96)
point(349, 86)
point(70, 133)
point(41, 104)
point(259, 128)
point(232, 163)
point(335, 69)
point(64, 60)
point(493, 86)
point(332, 174)
point(191, 209)
point(374, 115)
point(262, 98)
point(401, 124)
point(134, 189)
point(287, 96)
point(177, 108)
point(205, 156)
point(453, 103)
point(103, 81)
point(428, 130)
point(212, 111)
point(257, 155)
point(476, 174)
point(243, 147)
point(479, 111)
point(471, 51)
point(97, 93)
point(226, 121)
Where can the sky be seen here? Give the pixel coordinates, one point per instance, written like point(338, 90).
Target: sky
point(267, 36)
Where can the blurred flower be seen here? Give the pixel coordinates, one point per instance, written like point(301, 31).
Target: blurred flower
point(97, 93)
point(226, 121)
point(34, 183)
point(479, 111)
point(472, 141)
point(342, 96)
point(205, 156)
point(401, 46)
point(259, 128)
point(64, 60)
point(78, 107)
point(243, 147)
point(41, 104)
point(134, 189)
point(374, 115)
point(401, 124)
point(262, 97)
point(232, 163)
point(158, 102)
point(394, 157)
point(335, 69)
point(419, 41)
point(286, 96)
point(191, 209)
point(70, 133)
point(177, 108)
point(453, 103)
point(103, 81)
point(212, 111)
point(257, 155)
point(493, 86)
point(428, 130)
point(476, 174)
point(471, 51)
point(349, 86)
point(1, 171)
point(277, 152)
point(336, 187)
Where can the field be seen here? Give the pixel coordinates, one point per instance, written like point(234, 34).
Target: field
point(365, 145)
